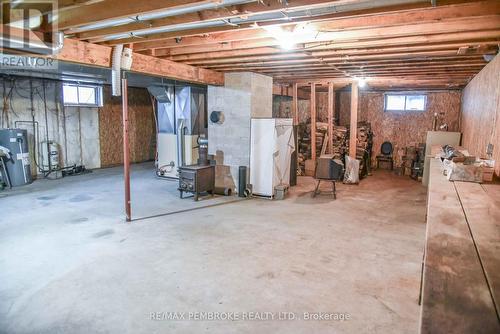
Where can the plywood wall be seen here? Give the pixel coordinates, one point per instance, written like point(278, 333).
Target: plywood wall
point(141, 124)
point(402, 129)
point(481, 112)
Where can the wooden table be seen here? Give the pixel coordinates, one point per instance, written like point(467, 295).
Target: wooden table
point(461, 272)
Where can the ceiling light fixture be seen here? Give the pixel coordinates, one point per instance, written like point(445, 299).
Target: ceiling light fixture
point(288, 39)
point(361, 82)
point(283, 37)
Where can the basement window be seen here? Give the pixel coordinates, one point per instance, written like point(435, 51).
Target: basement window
point(82, 95)
point(405, 102)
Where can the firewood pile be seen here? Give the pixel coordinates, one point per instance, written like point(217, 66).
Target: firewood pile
point(304, 138)
point(304, 147)
point(364, 143)
point(339, 141)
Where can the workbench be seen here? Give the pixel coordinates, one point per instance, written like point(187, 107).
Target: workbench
point(461, 270)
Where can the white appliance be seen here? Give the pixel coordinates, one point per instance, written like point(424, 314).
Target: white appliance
point(271, 147)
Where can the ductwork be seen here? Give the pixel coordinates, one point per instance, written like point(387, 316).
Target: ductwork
point(284, 15)
point(116, 62)
point(161, 93)
point(180, 142)
point(121, 59)
point(192, 8)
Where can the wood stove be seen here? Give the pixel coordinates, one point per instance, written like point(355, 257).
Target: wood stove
point(196, 179)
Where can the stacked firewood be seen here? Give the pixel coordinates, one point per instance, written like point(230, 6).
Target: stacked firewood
point(364, 145)
point(304, 139)
point(321, 136)
point(304, 146)
point(339, 141)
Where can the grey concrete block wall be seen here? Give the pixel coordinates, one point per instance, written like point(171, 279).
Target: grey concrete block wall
point(262, 96)
point(244, 96)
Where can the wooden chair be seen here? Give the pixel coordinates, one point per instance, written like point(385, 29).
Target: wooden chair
point(386, 154)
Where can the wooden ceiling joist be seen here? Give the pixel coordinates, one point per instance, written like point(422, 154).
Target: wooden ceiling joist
point(489, 38)
point(115, 9)
point(222, 13)
point(411, 43)
point(482, 23)
point(428, 15)
point(339, 53)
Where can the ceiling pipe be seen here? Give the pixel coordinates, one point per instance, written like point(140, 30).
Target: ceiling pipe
point(158, 15)
point(291, 14)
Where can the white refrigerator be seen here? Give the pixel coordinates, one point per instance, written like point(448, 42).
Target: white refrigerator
point(271, 147)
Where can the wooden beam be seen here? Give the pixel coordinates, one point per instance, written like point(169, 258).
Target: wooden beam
point(354, 120)
point(397, 19)
point(115, 9)
point(331, 98)
point(356, 19)
point(491, 22)
point(100, 55)
point(85, 53)
point(313, 122)
point(220, 13)
point(335, 60)
point(268, 53)
point(368, 69)
point(357, 62)
point(421, 15)
point(165, 68)
point(295, 104)
point(241, 55)
point(395, 82)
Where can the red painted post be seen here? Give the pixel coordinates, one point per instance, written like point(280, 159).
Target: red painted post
point(126, 150)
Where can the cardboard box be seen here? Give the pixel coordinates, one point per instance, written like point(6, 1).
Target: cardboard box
point(488, 173)
point(488, 169)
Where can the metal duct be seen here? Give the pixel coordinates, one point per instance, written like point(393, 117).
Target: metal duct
point(116, 70)
point(180, 142)
point(285, 15)
point(160, 93)
point(192, 8)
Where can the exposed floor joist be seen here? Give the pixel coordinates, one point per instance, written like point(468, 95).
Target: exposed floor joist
point(409, 39)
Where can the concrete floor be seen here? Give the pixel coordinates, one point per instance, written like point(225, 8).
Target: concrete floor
point(68, 263)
